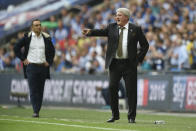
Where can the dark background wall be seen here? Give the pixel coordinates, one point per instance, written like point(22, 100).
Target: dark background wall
point(158, 92)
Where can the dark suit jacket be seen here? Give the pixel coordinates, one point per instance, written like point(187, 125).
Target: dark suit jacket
point(21, 49)
point(135, 35)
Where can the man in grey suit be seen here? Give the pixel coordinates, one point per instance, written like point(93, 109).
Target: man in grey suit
point(122, 58)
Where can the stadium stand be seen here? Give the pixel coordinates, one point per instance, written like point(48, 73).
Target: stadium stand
point(169, 26)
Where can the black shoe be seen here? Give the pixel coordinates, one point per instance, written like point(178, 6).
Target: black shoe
point(36, 115)
point(113, 119)
point(131, 120)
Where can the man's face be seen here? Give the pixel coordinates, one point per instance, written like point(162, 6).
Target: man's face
point(121, 19)
point(36, 26)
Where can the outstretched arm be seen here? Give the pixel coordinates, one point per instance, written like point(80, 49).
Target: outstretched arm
point(95, 32)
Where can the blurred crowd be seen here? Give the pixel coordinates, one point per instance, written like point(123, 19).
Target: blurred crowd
point(169, 26)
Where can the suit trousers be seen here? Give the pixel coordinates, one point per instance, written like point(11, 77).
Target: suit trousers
point(36, 75)
point(123, 68)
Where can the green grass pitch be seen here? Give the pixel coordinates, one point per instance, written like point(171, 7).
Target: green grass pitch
point(79, 119)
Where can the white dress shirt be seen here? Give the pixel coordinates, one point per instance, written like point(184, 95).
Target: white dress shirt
point(36, 52)
point(124, 42)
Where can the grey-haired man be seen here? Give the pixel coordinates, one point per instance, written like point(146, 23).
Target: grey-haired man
point(122, 58)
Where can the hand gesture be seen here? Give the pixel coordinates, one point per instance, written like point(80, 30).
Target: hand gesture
point(86, 31)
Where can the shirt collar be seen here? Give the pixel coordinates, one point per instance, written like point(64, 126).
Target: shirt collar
point(34, 35)
point(126, 26)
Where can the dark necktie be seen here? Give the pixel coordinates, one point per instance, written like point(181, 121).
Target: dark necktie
point(119, 50)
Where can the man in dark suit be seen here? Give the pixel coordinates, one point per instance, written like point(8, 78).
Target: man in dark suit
point(36, 51)
point(122, 58)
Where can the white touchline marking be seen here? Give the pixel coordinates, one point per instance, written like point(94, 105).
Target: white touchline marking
point(81, 121)
point(61, 124)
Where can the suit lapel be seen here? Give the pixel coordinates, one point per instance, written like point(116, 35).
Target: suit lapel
point(116, 33)
point(29, 39)
point(130, 31)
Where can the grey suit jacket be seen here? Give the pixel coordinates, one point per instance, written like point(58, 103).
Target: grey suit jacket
point(135, 35)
